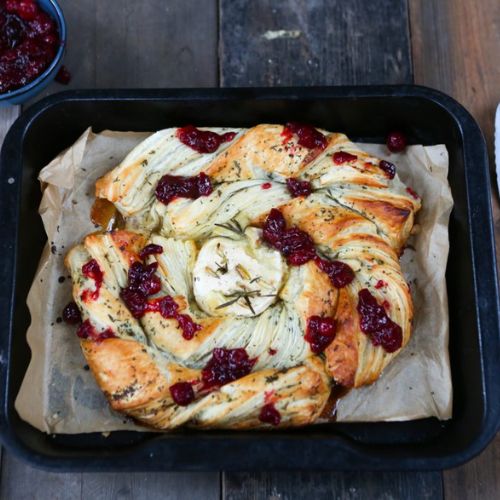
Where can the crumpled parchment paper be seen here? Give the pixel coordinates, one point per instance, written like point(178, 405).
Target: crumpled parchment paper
point(59, 394)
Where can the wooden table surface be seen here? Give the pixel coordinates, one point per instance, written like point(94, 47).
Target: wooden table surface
point(452, 45)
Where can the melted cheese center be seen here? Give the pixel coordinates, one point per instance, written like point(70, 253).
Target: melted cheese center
point(239, 277)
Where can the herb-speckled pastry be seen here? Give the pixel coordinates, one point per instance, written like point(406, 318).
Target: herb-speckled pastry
point(255, 270)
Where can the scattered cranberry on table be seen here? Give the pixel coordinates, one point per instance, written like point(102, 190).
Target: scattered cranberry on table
point(63, 76)
point(396, 141)
point(29, 41)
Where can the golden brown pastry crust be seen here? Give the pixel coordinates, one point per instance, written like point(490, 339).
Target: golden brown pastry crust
point(357, 214)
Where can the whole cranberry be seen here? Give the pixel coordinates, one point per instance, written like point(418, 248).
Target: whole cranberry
point(182, 393)
point(27, 10)
point(71, 314)
point(396, 141)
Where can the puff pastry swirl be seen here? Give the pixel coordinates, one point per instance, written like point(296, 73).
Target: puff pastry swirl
point(235, 330)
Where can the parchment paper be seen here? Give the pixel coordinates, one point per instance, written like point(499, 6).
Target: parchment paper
point(59, 394)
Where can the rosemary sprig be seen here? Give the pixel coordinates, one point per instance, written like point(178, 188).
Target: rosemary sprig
point(245, 295)
point(232, 225)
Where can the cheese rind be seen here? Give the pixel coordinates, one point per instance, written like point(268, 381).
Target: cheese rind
point(240, 277)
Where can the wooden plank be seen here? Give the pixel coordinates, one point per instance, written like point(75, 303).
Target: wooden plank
point(22, 482)
point(323, 486)
point(174, 486)
point(146, 44)
point(7, 117)
point(319, 42)
point(455, 49)
point(150, 43)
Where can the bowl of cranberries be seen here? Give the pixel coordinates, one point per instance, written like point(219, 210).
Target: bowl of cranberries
point(32, 44)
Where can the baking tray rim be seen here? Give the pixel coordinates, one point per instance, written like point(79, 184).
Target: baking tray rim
point(481, 240)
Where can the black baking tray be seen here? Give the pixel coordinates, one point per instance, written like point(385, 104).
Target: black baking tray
point(364, 113)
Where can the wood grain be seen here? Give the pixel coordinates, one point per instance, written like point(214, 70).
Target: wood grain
point(146, 44)
point(456, 48)
point(318, 42)
point(353, 485)
point(150, 43)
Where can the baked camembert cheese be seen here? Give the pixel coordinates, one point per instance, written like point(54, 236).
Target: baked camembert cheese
point(255, 270)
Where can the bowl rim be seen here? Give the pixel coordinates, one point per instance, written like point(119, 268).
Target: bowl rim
point(55, 61)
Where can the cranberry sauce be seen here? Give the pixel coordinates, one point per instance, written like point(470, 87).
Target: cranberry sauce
point(298, 188)
point(298, 248)
point(269, 414)
point(343, 157)
point(340, 274)
point(308, 136)
point(396, 141)
point(71, 314)
point(182, 393)
point(142, 283)
point(388, 167)
point(150, 249)
point(226, 365)
point(203, 141)
point(92, 270)
point(296, 245)
point(320, 333)
point(412, 192)
point(171, 187)
point(28, 42)
point(87, 331)
point(375, 323)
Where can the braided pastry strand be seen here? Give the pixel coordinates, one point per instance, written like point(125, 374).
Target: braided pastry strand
point(257, 269)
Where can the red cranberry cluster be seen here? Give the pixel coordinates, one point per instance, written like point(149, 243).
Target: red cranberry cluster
point(28, 42)
point(71, 315)
point(144, 282)
point(171, 187)
point(226, 365)
point(269, 414)
point(92, 270)
point(308, 136)
point(87, 331)
point(375, 323)
point(298, 247)
point(203, 141)
point(298, 188)
point(340, 274)
point(341, 157)
point(320, 333)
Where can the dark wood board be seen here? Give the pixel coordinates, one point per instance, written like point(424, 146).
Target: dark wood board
point(315, 42)
point(456, 48)
point(338, 485)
